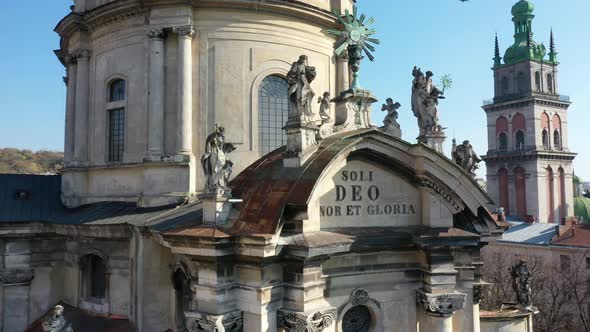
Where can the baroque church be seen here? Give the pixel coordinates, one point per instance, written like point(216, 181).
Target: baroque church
point(222, 174)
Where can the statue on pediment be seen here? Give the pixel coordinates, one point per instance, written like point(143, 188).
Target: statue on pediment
point(300, 93)
point(521, 283)
point(464, 155)
point(390, 124)
point(216, 167)
point(425, 96)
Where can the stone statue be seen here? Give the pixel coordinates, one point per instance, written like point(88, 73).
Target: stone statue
point(216, 167)
point(300, 93)
point(464, 156)
point(324, 102)
point(425, 98)
point(521, 283)
point(56, 321)
point(390, 125)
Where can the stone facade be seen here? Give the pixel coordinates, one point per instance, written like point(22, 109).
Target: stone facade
point(529, 164)
point(185, 69)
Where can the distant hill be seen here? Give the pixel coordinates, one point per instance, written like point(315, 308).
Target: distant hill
point(15, 161)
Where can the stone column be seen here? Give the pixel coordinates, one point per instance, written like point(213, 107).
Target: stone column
point(81, 106)
point(343, 74)
point(156, 95)
point(184, 91)
point(70, 109)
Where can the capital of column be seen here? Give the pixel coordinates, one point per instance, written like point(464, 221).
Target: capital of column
point(79, 54)
point(185, 31)
point(440, 305)
point(157, 33)
point(299, 322)
point(230, 322)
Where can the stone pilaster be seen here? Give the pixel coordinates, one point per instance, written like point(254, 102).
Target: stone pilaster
point(156, 95)
point(82, 103)
point(343, 73)
point(70, 108)
point(184, 93)
point(16, 284)
point(434, 140)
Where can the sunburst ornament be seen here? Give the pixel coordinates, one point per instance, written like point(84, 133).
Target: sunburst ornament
point(355, 38)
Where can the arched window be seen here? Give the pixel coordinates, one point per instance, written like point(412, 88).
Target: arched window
point(183, 296)
point(562, 203)
point(93, 270)
point(520, 185)
point(556, 140)
point(503, 141)
point(521, 82)
point(537, 81)
point(505, 85)
point(116, 120)
point(519, 140)
point(357, 319)
point(545, 139)
point(117, 90)
point(550, 83)
point(273, 100)
point(503, 190)
point(550, 195)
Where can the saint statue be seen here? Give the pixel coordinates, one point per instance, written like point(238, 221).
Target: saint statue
point(390, 125)
point(300, 93)
point(324, 102)
point(425, 98)
point(56, 321)
point(464, 155)
point(216, 167)
point(521, 283)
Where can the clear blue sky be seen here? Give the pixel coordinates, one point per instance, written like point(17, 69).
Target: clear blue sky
point(444, 36)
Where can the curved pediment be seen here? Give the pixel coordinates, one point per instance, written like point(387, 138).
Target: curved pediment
point(362, 178)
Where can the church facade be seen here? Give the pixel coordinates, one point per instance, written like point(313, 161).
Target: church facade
point(529, 164)
point(327, 223)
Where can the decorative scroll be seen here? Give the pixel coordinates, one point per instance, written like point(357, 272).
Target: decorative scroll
point(295, 322)
point(443, 305)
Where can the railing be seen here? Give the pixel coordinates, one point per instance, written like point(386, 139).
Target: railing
point(525, 149)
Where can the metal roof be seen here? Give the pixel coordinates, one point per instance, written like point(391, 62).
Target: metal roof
point(40, 201)
point(522, 232)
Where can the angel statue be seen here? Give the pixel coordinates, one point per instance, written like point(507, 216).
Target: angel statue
point(300, 93)
point(464, 155)
point(216, 167)
point(56, 322)
point(390, 125)
point(425, 96)
point(324, 102)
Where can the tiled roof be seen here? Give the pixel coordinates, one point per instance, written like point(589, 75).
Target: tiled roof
point(574, 235)
point(527, 233)
point(43, 204)
point(82, 320)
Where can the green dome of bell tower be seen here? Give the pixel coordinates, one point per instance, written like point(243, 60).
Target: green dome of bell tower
point(524, 47)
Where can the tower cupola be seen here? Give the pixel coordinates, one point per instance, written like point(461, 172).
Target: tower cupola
point(524, 47)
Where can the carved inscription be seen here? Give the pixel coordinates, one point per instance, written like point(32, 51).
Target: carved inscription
point(359, 193)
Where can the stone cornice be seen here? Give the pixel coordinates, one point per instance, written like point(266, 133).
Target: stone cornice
point(16, 276)
point(512, 104)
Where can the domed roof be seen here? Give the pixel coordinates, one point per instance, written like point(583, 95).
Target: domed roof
point(582, 207)
point(523, 7)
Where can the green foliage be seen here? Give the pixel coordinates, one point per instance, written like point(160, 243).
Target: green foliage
point(15, 161)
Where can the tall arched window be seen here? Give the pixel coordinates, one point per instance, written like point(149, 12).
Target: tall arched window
point(93, 270)
point(519, 140)
point(545, 135)
point(520, 185)
point(562, 203)
point(116, 120)
point(556, 140)
point(183, 296)
point(273, 100)
point(538, 81)
point(503, 190)
point(521, 82)
point(505, 85)
point(550, 83)
point(550, 195)
point(503, 141)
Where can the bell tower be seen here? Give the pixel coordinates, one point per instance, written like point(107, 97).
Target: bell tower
point(529, 164)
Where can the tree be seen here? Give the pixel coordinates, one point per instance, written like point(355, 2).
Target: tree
point(15, 161)
point(561, 291)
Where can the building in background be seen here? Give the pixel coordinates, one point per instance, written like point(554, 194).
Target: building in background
point(529, 164)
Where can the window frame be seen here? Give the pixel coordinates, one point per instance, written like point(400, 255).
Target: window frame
point(265, 131)
point(88, 281)
point(116, 105)
point(518, 146)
